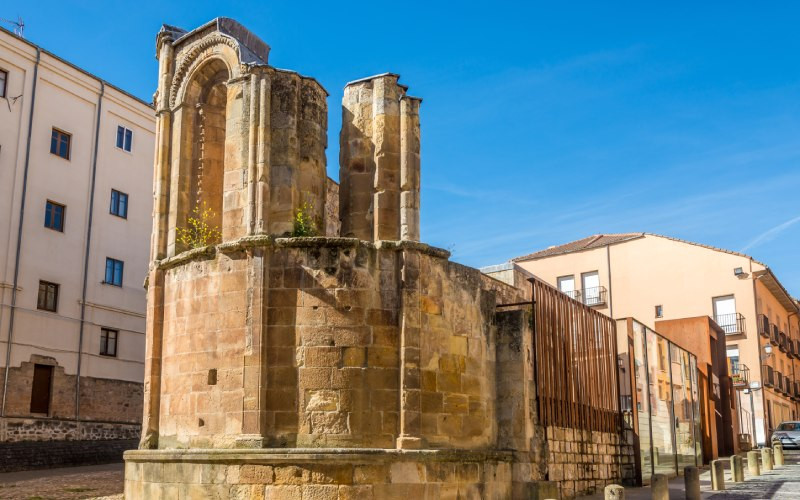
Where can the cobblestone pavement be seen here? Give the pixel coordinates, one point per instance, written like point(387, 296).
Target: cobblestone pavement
point(780, 483)
point(63, 484)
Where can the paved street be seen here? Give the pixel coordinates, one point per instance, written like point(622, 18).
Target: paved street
point(780, 483)
point(67, 483)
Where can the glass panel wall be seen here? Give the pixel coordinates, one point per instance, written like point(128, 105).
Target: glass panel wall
point(667, 406)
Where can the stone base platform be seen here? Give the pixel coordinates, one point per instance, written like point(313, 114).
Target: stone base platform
point(333, 474)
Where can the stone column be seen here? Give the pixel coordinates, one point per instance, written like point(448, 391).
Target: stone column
point(379, 160)
point(161, 177)
point(737, 469)
point(255, 358)
point(152, 359)
point(410, 388)
point(615, 492)
point(409, 168)
point(252, 152)
point(778, 454)
point(659, 487)
point(263, 156)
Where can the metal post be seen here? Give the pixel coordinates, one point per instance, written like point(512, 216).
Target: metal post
point(753, 418)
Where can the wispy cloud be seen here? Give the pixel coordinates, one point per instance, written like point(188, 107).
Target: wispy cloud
point(771, 233)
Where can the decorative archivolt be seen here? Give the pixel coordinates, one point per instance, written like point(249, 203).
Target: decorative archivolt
point(199, 53)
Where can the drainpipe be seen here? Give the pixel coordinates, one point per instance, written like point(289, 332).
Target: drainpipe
point(19, 230)
point(86, 252)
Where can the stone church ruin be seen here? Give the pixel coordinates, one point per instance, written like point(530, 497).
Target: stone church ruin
point(359, 365)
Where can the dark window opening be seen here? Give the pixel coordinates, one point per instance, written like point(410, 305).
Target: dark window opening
point(60, 144)
point(108, 342)
point(114, 271)
point(3, 83)
point(40, 390)
point(119, 204)
point(48, 296)
point(54, 216)
point(659, 311)
point(124, 138)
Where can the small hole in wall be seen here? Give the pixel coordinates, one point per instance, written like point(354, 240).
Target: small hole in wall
point(212, 376)
point(201, 422)
point(314, 307)
point(347, 308)
point(347, 253)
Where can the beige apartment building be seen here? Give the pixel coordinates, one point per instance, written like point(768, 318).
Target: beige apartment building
point(655, 278)
point(76, 160)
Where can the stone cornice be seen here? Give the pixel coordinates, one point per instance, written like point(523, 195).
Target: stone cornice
point(266, 241)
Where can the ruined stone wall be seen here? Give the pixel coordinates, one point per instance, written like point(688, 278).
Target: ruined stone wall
point(104, 400)
point(333, 313)
point(333, 225)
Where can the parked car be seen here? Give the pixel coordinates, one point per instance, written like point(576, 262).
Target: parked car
point(787, 433)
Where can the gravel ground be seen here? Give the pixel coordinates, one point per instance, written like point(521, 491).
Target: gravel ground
point(67, 484)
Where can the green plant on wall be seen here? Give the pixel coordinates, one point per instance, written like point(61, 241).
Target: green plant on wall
point(303, 223)
point(199, 232)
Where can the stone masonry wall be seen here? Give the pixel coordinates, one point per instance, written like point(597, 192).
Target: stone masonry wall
point(584, 462)
point(47, 429)
point(20, 456)
point(104, 400)
point(379, 475)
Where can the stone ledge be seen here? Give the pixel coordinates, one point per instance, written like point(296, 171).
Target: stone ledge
point(315, 455)
point(266, 241)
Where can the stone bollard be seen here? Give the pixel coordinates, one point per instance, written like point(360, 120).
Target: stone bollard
point(737, 469)
point(777, 451)
point(717, 475)
point(614, 492)
point(766, 458)
point(691, 480)
point(659, 487)
point(752, 463)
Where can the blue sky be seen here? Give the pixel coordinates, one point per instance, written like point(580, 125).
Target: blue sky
point(541, 123)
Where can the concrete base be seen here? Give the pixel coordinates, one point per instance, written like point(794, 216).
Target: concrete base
point(319, 474)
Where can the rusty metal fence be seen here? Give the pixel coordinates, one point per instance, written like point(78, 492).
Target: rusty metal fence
point(575, 362)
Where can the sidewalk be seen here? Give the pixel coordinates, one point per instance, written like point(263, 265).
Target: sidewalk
point(65, 483)
point(779, 483)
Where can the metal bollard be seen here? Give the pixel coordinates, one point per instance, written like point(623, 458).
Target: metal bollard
point(659, 487)
point(777, 451)
point(737, 469)
point(691, 480)
point(752, 463)
point(614, 492)
point(766, 458)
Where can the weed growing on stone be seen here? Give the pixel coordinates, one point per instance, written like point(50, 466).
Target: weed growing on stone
point(304, 225)
point(199, 232)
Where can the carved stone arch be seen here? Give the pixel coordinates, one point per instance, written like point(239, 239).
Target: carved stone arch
point(196, 56)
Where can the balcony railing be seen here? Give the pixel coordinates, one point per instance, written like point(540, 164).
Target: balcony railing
point(774, 336)
point(731, 324)
point(783, 343)
point(764, 328)
point(595, 296)
point(769, 376)
point(740, 375)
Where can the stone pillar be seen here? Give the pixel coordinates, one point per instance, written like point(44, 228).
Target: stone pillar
point(263, 163)
point(161, 177)
point(379, 160)
point(152, 359)
point(752, 463)
point(766, 458)
point(778, 454)
point(691, 479)
point(409, 168)
point(659, 487)
point(410, 383)
point(717, 475)
point(252, 152)
point(737, 469)
point(614, 492)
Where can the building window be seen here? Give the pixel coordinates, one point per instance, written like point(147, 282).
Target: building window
point(119, 204)
point(48, 296)
point(114, 271)
point(54, 216)
point(40, 389)
point(3, 83)
point(659, 311)
point(60, 143)
point(108, 342)
point(124, 138)
point(566, 285)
